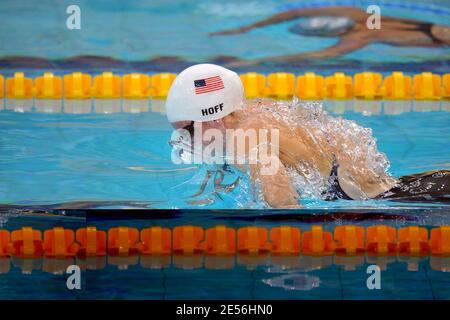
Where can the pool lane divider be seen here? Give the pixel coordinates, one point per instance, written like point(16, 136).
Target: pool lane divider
point(2, 87)
point(424, 86)
point(379, 240)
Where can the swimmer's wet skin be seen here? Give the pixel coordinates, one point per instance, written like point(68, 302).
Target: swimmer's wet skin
point(319, 155)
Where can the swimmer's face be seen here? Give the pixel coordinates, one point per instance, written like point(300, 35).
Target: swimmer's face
point(215, 124)
point(193, 126)
point(200, 130)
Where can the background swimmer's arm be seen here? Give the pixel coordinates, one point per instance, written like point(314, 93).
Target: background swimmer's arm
point(278, 18)
point(344, 46)
point(355, 13)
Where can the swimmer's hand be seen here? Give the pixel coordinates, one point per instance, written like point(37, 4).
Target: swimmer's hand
point(230, 31)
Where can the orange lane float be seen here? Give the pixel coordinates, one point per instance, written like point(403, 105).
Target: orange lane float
point(339, 86)
point(317, 242)
point(2, 84)
point(397, 86)
point(156, 240)
point(26, 242)
point(77, 85)
point(349, 240)
point(280, 85)
point(19, 87)
point(413, 240)
point(427, 86)
point(220, 240)
point(253, 240)
point(136, 86)
point(381, 240)
point(60, 242)
point(446, 86)
point(107, 86)
point(285, 240)
point(5, 239)
point(310, 86)
point(440, 241)
point(48, 86)
point(123, 241)
point(368, 85)
point(188, 240)
point(92, 242)
point(254, 84)
point(160, 84)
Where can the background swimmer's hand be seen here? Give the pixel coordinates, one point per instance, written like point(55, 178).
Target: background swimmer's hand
point(243, 63)
point(230, 31)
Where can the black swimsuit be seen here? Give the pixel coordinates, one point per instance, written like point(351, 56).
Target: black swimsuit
point(419, 187)
point(334, 188)
point(426, 28)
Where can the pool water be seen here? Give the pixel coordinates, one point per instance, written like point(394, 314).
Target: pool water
point(232, 277)
point(139, 33)
point(56, 164)
point(124, 159)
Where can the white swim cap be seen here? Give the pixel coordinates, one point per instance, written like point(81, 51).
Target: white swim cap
point(204, 92)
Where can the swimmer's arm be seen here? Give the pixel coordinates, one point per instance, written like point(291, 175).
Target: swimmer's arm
point(276, 188)
point(355, 173)
point(352, 12)
point(344, 46)
point(265, 167)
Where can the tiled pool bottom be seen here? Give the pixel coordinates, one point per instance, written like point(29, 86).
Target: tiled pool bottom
point(234, 277)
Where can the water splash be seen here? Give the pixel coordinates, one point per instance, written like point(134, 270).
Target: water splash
point(326, 135)
point(355, 144)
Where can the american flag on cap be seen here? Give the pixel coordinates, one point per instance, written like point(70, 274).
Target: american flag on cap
point(208, 85)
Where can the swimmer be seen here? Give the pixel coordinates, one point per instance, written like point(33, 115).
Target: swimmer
point(349, 24)
point(313, 146)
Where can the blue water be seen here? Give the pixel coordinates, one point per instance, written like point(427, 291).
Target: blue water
point(57, 158)
point(234, 277)
point(53, 161)
point(144, 30)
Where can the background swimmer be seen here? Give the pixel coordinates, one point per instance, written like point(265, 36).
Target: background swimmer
point(332, 158)
point(349, 24)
